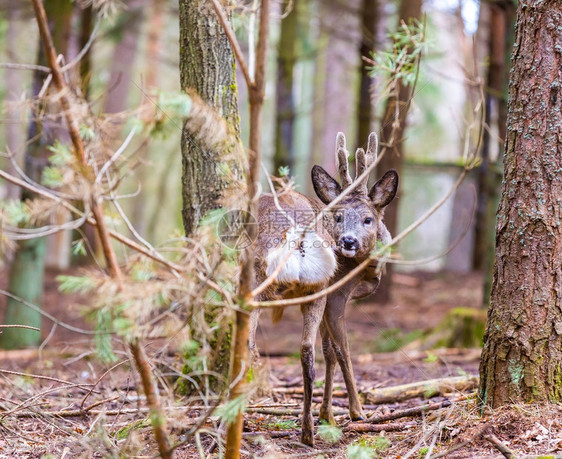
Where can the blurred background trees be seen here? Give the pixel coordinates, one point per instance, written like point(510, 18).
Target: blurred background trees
point(323, 78)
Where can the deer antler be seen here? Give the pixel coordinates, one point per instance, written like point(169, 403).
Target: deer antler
point(342, 161)
point(362, 161)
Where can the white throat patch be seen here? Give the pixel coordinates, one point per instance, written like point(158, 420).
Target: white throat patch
point(311, 262)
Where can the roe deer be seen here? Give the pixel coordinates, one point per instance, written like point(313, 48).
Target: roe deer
point(324, 254)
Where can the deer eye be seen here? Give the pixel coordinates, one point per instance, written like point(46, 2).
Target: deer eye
point(338, 218)
point(368, 221)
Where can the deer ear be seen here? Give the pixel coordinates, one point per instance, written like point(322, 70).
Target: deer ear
point(325, 186)
point(383, 192)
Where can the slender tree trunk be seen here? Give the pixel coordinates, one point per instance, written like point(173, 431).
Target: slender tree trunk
point(124, 55)
point(369, 17)
point(26, 273)
point(522, 357)
point(392, 138)
point(13, 128)
point(285, 99)
point(489, 178)
point(152, 60)
point(86, 22)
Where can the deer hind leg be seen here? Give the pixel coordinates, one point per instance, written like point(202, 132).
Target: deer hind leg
point(335, 322)
point(312, 315)
point(326, 413)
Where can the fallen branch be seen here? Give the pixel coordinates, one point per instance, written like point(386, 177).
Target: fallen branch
point(290, 412)
point(79, 413)
point(500, 446)
point(300, 391)
point(366, 427)
point(426, 389)
point(416, 411)
point(453, 449)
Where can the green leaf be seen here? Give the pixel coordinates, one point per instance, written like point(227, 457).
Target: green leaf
point(52, 177)
point(17, 212)
point(104, 348)
point(79, 247)
point(75, 284)
point(122, 325)
point(174, 104)
point(357, 451)
point(431, 357)
point(62, 154)
point(329, 433)
point(232, 408)
point(87, 133)
point(284, 171)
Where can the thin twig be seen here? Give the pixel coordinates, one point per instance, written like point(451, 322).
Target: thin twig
point(98, 381)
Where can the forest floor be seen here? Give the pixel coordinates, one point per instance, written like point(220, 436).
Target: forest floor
point(46, 408)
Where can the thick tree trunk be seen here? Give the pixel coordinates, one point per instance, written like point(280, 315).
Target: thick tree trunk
point(207, 67)
point(522, 357)
point(369, 16)
point(392, 138)
point(285, 101)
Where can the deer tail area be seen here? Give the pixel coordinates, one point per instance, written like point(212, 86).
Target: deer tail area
point(306, 258)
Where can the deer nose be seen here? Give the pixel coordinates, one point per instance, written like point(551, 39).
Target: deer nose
point(349, 243)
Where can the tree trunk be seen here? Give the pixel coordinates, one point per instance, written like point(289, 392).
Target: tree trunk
point(369, 16)
point(26, 273)
point(392, 138)
point(207, 67)
point(124, 55)
point(285, 102)
point(13, 128)
point(86, 22)
point(522, 357)
point(26, 282)
point(139, 218)
point(488, 180)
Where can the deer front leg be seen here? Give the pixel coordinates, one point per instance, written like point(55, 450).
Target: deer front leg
point(312, 316)
point(326, 413)
point(335, 322)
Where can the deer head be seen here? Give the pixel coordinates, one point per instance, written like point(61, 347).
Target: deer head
point(357, 219)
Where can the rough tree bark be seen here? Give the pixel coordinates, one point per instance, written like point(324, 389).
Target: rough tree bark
point(522, 357)
point(285, 101)
point(369, 16)
point(392, 138)
point(207, 67)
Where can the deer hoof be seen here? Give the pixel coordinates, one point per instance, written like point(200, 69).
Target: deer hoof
point(327, 417)
point(307, 438)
